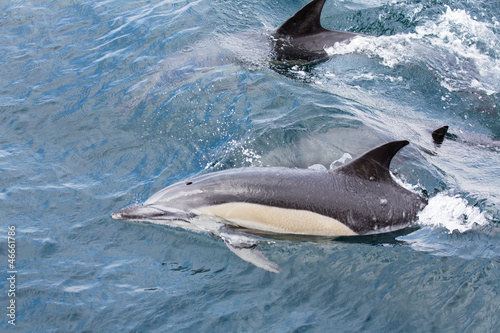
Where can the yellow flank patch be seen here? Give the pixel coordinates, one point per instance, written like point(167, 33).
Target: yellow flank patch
point(278, 220)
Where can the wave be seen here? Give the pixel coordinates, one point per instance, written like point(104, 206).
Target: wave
point(461, 51)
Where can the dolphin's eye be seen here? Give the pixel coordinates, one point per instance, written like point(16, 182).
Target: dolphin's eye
point(189, 183)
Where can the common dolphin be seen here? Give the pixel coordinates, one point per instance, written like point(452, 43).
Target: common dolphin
point(302, 37)
point(474, 139)
point(357, 198)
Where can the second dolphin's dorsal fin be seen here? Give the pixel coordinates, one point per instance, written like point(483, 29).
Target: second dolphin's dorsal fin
point(373, 165)
point(305, 21)
point(439, 134)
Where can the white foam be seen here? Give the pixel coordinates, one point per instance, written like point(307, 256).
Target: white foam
point(452, 213)
point(319, 167)
point(340, 161)
point(462, 51)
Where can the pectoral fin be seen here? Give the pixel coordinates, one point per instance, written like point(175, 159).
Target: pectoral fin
point(250, 252)
point(238, 242)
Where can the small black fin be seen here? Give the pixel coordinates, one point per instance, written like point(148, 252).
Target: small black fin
point(305, 21)
point(439, 134)
point(374, 165)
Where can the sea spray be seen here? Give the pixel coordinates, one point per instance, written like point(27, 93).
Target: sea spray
point(451, 213)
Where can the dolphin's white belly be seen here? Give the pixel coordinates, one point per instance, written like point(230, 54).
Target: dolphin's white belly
point(277, 220)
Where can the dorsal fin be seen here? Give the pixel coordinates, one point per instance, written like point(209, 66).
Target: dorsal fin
point(439, 134)
point(305, 21)
point(374, 165)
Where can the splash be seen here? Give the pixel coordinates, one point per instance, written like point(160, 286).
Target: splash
point(235, 153)
point(451, 213)
point(462, 52)
point(251, 156)
point(345, 157)
point(472, 48)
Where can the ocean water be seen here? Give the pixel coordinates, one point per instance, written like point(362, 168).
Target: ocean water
point(103, 103)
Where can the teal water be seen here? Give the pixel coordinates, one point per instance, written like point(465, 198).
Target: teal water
point(103, 103)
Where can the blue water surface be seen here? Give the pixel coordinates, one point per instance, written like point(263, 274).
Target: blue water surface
point(103, 103)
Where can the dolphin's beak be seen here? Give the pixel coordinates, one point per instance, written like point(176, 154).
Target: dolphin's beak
point(151, 213)
point(138, 213)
